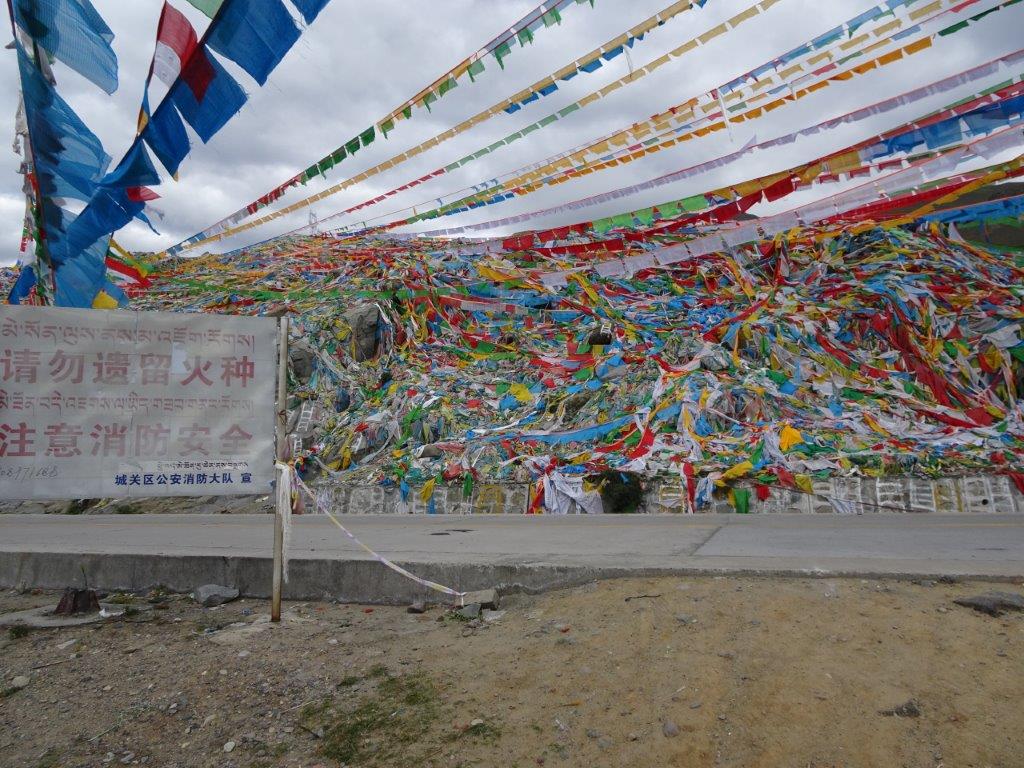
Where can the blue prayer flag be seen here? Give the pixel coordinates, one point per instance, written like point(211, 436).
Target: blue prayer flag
point(74, 33)
point(255, 34)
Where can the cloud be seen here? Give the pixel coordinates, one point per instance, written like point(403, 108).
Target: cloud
point(357, 62)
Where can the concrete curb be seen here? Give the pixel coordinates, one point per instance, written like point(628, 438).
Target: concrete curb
point(369, 582)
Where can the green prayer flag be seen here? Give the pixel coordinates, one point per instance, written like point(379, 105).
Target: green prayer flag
point(622, 220)
point(695, 203)
point(646, 216)
point(602, 225)
point(501, 52)
point(312, 172)
point(386, 127)
point(429, 99)
point(475, 69)
point(209, 7)
point(525, 36)
point(407, 112)
point(955, 28)
point(353, 146)
point(545, 121)
point(551, 18)
point(670, 210)
point(338, 155)
point(741, 499)
point(569, 109)
point(446, 86)
point(367, 136)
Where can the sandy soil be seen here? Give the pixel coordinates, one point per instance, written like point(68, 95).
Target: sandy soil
point(653, 672)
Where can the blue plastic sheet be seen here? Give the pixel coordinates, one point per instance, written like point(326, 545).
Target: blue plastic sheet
point(255, 34)
point(74, 33)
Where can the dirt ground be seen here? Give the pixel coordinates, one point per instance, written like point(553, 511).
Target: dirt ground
point(652, 672)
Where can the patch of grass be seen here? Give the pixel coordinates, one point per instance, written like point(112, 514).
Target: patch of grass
point(121, 598)
point(388, 727)
point(349, 681)
point(18, 631)
point(5, 692)
point(378, 671)
point(127, 509)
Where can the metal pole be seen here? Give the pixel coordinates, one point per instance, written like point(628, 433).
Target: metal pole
point(282, 425)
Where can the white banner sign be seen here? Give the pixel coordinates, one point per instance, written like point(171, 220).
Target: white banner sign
point(102, 404)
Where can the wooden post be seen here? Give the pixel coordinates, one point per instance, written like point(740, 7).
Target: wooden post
point(282, 425)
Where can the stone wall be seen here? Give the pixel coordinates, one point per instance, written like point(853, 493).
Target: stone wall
point(487, 498)
point(950, 495)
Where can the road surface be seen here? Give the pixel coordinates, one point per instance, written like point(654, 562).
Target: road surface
point(182, 551)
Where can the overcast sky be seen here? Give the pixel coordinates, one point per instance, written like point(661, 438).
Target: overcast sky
point(360, 60)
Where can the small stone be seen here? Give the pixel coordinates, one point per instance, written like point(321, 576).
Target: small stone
point(695, 705)
point(476, 722)
point(722, 718)
point(223, 672)
point(605, 743)
point(66, 644)
point(563, 628)
point(470, 611)
point(418, 607)
point(727, 654)
point(333, 641)
point(907, 709)
point(490, 616)
point(669, 729)
point(243, 654)
point(229, 746)
point(592, 734)
point(21, 681)
point(685, 618)
point(210, 595)
point(634, 736)
point(565, 641)
point(106, 687)
point(928, 583)
point(488, 598)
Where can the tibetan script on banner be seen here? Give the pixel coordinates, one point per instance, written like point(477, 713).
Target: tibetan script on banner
point(99, 404)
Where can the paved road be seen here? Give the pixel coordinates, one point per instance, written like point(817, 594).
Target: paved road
point(990, 545)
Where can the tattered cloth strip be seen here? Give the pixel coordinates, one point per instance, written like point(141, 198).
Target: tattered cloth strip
point(323, 507)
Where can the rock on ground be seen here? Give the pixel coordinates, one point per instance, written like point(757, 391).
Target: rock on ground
point(210, 595)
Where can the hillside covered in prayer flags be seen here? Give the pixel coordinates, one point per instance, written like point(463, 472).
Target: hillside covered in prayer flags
point(889, 351)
